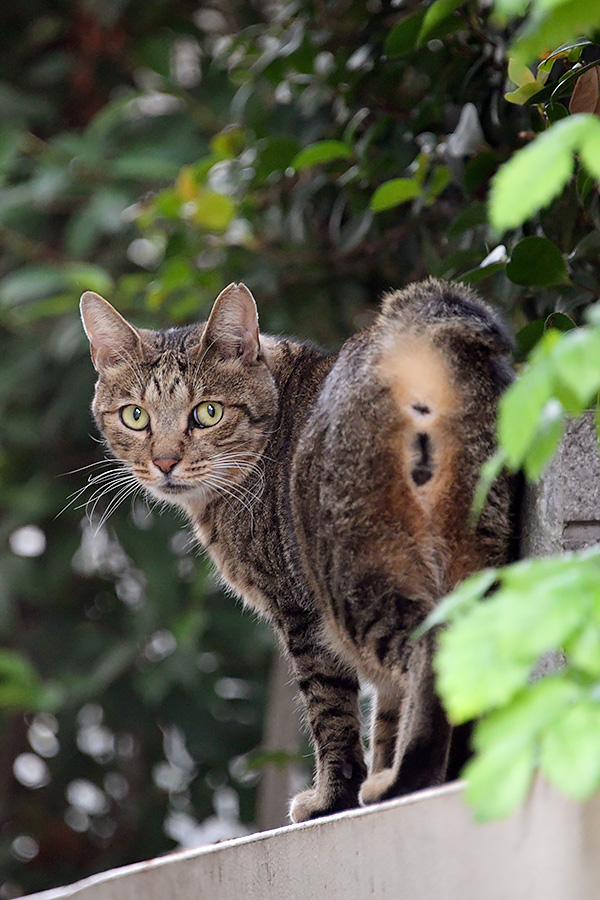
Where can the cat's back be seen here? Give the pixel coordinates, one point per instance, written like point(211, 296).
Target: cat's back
point(389, 459)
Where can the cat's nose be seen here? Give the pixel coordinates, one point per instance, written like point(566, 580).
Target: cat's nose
point(167, 463)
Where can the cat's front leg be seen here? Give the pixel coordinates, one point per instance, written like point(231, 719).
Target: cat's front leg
point(329, 692)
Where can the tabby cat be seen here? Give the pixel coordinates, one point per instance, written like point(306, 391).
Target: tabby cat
point(332, 492)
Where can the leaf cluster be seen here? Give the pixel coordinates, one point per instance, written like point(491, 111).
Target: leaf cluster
point(485, 663)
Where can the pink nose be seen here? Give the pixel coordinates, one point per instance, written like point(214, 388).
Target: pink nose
point(167, 463)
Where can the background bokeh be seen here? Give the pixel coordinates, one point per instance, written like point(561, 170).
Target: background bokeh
point(155, 152)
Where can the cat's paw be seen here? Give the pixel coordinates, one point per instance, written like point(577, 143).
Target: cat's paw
point(307, 805)
point(379, 786)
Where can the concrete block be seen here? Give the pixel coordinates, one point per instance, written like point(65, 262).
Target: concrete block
point(562, 511)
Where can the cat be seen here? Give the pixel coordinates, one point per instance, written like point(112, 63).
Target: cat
point(333, 493)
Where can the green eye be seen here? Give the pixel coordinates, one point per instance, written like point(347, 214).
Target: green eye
point(206, 414)
point(135, 417)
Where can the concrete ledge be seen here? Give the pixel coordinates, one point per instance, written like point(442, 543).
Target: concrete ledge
point(422, 847)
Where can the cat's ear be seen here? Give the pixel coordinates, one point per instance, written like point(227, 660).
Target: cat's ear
point(111, 337)
point(232, 327)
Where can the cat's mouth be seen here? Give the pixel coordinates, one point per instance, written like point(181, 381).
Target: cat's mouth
point(169, 488)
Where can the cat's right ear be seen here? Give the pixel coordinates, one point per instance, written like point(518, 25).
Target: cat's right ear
point(111, 337)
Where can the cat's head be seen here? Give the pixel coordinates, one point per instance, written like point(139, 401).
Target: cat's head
point(189, 410)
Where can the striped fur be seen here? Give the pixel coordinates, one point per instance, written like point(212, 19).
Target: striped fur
point(333, 496)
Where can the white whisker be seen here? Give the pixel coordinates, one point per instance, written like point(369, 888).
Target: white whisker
point(99, 462)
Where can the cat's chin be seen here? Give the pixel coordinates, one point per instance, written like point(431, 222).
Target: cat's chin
point(182, 495)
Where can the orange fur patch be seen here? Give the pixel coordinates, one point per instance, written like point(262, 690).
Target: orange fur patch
point(417, 373)
point(428, 400)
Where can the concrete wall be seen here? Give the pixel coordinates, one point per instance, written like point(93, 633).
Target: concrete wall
point(423, 847)
point(562, 511)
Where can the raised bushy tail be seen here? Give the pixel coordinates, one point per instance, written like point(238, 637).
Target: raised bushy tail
point(449, 306)
point(445, 360)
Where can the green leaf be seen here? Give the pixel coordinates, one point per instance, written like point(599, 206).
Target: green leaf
point(583, 650)
point(585, 183)
point(85, 276)
point(228, 143)
point(435, 14)
point(404, 36)
point(279, 759)
point(437, 184)
point(536, 261)
point(528, 337)
point(506, 741)
point(489, 472)
point(460, 600)
point(564, 51)
point(537, 173)
point(138, 167)
point(320, 152)
point(570, 750)
point(556, 112)
point(419, 27)
point(590, 147)
point(506, 8)
point(555, 23)
point(275, 155)
point(478, 171)
point(488, 654)
point(524, 93)
point(31, 282)
point(559, 321)
point(20, 685)
point(498, 781)
point(472, 215)
point(531, 711)
point(520, 74)
point(564, 87)
point(213, 211)
point(577, 363)
point(480, 273)
point(523, 402)
point(392, 193)
point(526, 573)
point(10, 144)
point(471, 679)
point(549, 431)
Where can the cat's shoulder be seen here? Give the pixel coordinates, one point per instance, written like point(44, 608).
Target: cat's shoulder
point(289, 356)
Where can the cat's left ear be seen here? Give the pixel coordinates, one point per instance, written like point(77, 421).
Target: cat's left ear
point(232, 327)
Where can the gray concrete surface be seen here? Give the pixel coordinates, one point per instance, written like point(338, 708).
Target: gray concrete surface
point(562, 511)
point(423, 847)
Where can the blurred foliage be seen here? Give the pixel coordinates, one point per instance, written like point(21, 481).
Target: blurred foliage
point(321, 152)
point(485, 664)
